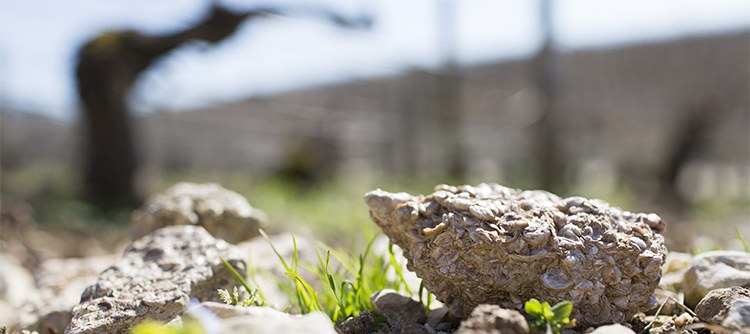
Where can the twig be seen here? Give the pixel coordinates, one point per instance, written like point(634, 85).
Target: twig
point(655, 317)
point(682, 306)
point(714, 328)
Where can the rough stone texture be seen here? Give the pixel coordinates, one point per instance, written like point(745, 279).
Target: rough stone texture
point(663, 325)
point(492, 319)
point(613, 329)
point(60, 283)
point(714, 306)
point(715, 270)
point(224, 213)
point(399, 310)
point(360, 324)
point(155, 278)
point(738, 317)
point(497, 245)
point(407, 329)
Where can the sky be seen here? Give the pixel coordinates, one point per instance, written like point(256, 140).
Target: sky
point(39, 40)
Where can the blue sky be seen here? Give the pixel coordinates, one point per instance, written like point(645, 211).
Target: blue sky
point(39, 39)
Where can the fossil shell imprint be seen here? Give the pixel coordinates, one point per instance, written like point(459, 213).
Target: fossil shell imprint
point(495, 245)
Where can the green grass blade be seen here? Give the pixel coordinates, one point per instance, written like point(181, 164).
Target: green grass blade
point(265, 236)
point(369, 244)
point(251, 274)
point(421, 289)
point(742, 239)
point(346, 262)
point(397, 267)
point(339, 311)
point(331, 281)
point(313, 304)
point(296, 253)
point(362, 258)
point(429, 300)
point(236, 274)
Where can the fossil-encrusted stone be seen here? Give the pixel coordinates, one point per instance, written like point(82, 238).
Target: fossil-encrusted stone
point(495, 245)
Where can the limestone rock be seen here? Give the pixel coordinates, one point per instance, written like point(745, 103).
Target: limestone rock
point(399, 310)
point(224, 213)
point(674, 271)
point(715, 270)
point(264, 320)
point(16, 285)
point(154, 280)
point(60, 283)
point(496, 245)
point(676, 261)
point(672, 281)
point(7, 314)
point(492, 319)
point(613, 329)
point(738, 316)
point(714, 306)
point(223, 318)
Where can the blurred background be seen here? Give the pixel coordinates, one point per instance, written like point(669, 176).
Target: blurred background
point(303, 106)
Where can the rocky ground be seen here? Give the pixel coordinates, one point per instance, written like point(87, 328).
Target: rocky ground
point(172, 270)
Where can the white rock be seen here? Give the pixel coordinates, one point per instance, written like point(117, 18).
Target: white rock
point(155, 279)
point(60, 283)
point(15, 281)
point(613, 329)
point(222, 212)
point(715, 270)
point(16, 285)
point(264, 320)
point(738, 317)
point(676, 261)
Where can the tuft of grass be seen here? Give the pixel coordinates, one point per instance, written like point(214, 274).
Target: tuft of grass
point(255, 297)
point(340, 292)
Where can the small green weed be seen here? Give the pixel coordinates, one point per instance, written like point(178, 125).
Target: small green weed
point(556, 316)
